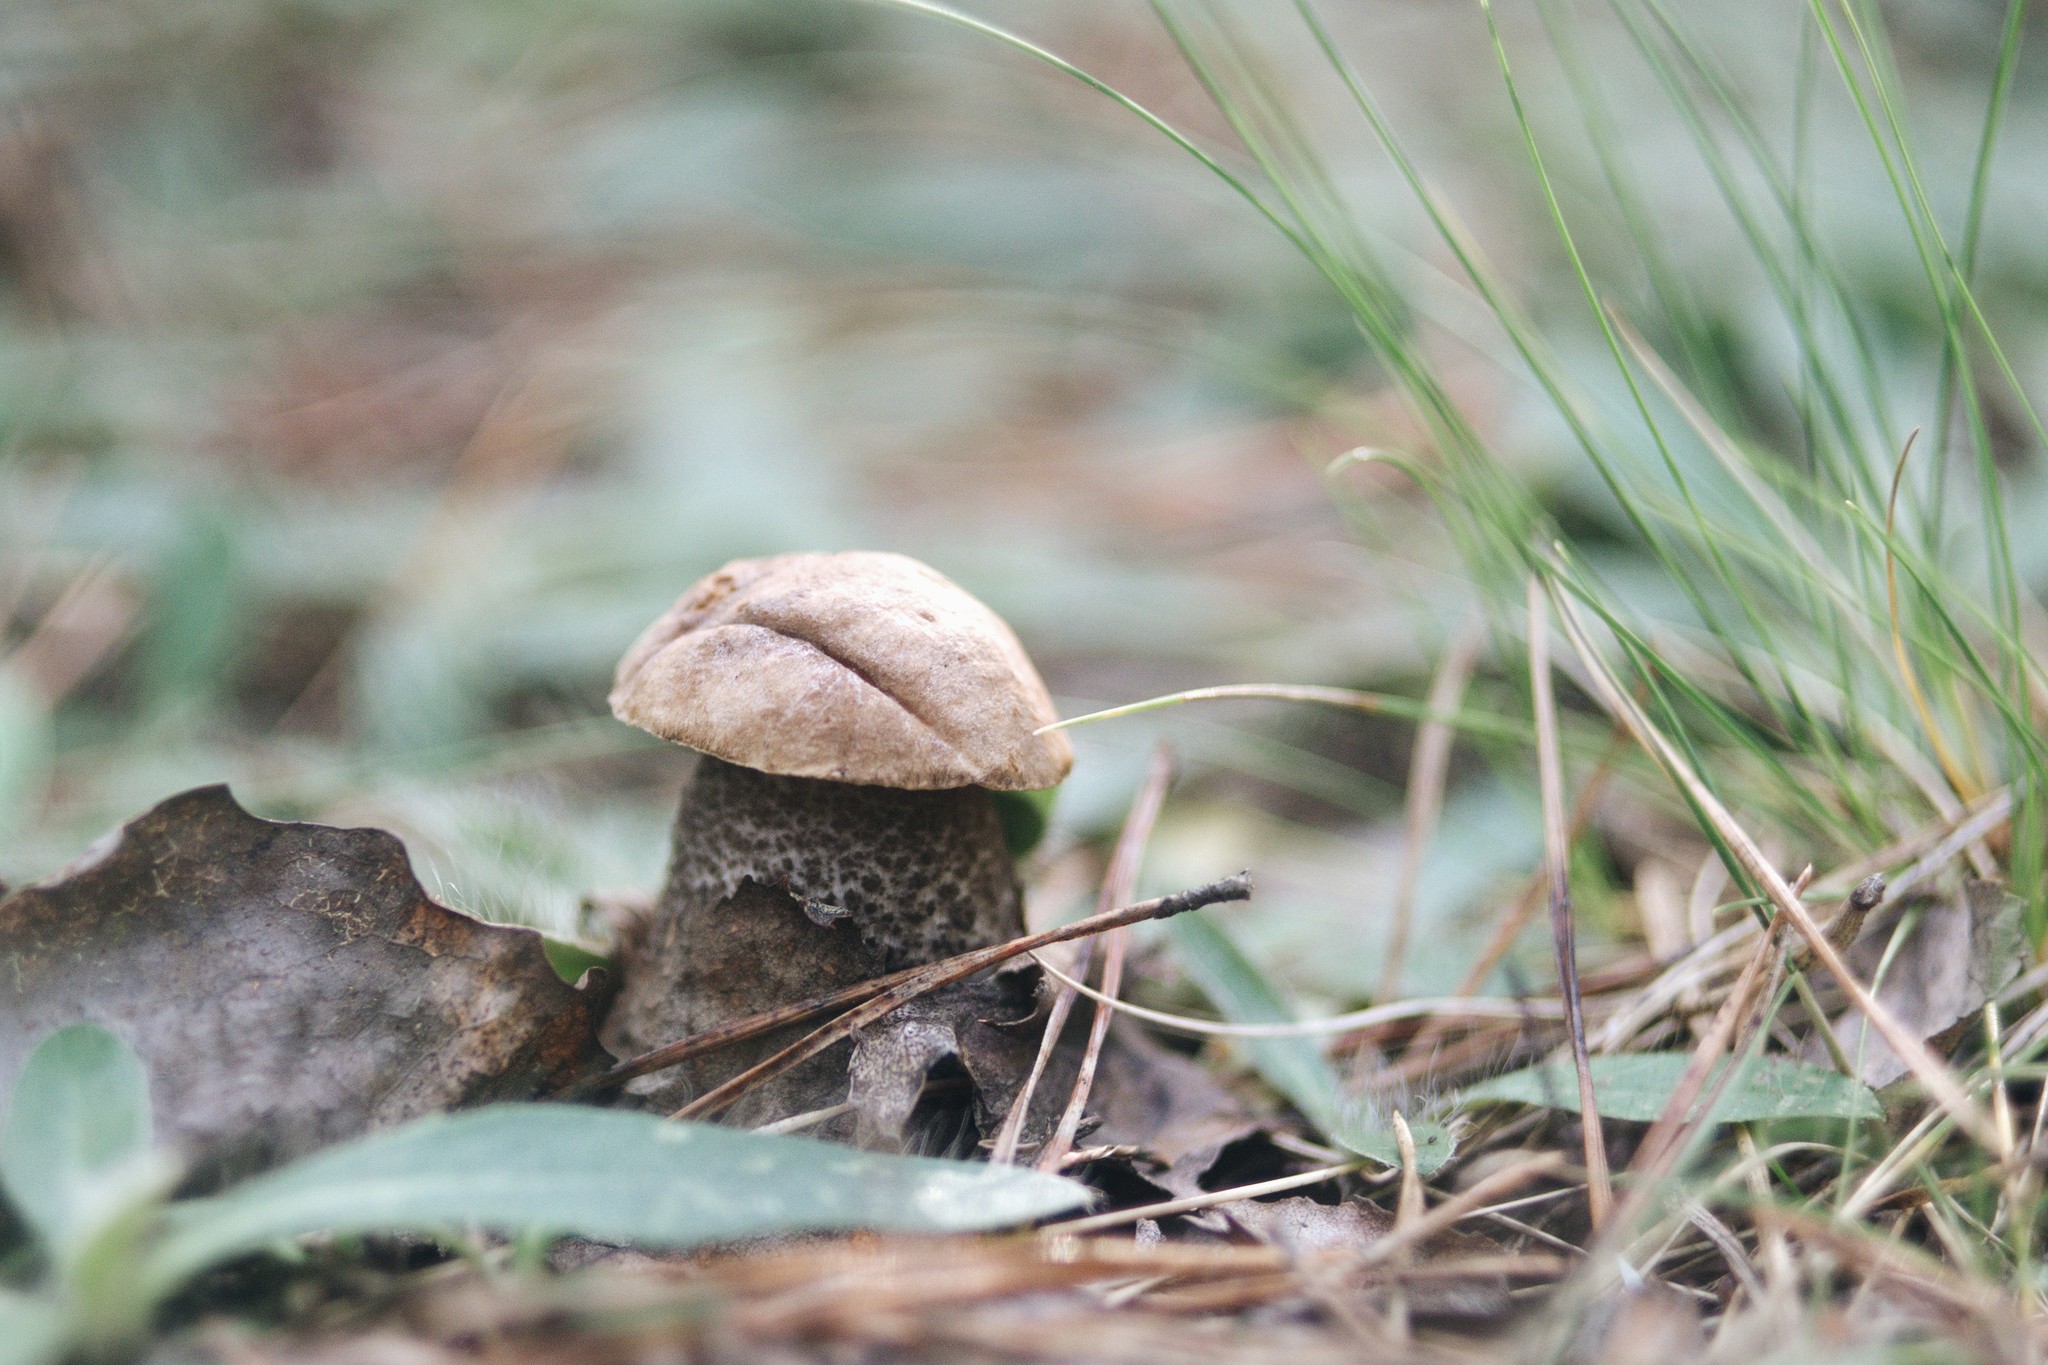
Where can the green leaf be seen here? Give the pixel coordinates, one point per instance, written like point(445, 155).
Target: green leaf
point(1295, 1067)
point(571, 959)
point(605, 1174)
point(78, 1134)
point(1024, 816)
point(1638, 1086)
point(31, 1330)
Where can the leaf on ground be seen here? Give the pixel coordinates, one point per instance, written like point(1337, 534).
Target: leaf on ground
point(77, 1128)
point(985, 1026)
point(1960, 954)
point(1169, 1108)
point(31, 1329)
point(1302, 1226)
point(611, 1175)
point(1638, 1085)
point(1295, 1067)
point(286, 985)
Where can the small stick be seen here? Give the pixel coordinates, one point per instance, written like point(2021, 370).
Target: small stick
point(1168, 1208)
point(1510, 926)
point(1556, 862)
point(1003, 1152)
point(1428, 763)
point(736, 1031)
point(1464, 1204)
point(945, 972)
point(1667, 1135)
point(803, 1011)
point(1120, 882)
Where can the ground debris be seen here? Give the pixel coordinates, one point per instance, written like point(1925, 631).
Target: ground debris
point(1959, 952)
point(289, 985)
point(886, 1299)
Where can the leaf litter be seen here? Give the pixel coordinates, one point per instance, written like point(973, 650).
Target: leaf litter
point(287, 985)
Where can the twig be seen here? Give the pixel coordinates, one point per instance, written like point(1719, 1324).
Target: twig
point(1777, 1253)
point(1556, 862)
point(1119, 883)
point(796, 1123)
point(1116, 1218)
point(1466, 1203)
point(803, 1011)
point(1003, 1151)
point(945, 972)
point(1428, 763)
point(1940, 1083)
point(1445, 1009)
point(1666, 1138)
point(1730, 1247)
point(1350, 699)
point(1407, 1210)
point(1511, 925)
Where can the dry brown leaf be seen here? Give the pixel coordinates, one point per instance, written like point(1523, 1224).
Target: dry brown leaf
point(289, 985)
point(1963, 951)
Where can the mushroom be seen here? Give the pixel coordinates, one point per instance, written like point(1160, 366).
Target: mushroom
point(854, 712)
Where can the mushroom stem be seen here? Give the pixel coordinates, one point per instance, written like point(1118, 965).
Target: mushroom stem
point(781, 889)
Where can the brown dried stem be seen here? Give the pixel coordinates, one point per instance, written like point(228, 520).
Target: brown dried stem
point(1427, 765)
point(943, 973)
point(1119, 883)
point(1556, 862)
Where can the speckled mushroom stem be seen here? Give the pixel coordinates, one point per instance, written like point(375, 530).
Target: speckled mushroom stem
point(784, 888)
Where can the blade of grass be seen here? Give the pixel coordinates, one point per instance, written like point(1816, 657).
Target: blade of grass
point(1556, 863)
point(1939, 1082)
point(1428, 764)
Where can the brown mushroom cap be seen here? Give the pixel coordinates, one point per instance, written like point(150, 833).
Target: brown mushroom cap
point(860, 667)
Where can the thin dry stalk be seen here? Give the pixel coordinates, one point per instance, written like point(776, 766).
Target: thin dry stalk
point(1777, 1252)
point(93, 615)
point(1167, 1208)
point(1362, 1025)
point(1119, 884)
point(1668, 1135)
point(1939, 1082)
point(1468, 1203)
point(1407, 1210)
point(1556, 864)
point(1728, 1244)
point(1428, 764)
point(782, 1016)
point(1003, 1152)
point(945, 972)
point(1896, 1261)
point(1510, 926)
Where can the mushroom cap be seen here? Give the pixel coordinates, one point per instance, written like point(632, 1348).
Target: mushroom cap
point(860, 667)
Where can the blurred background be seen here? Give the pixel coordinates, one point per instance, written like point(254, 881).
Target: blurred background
point(371, 373)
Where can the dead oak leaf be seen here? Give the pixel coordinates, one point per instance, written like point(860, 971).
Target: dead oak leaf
point(288, 985)
point(1957, 955)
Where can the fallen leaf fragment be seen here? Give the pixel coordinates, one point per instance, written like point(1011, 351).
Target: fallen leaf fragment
point(1962, 951)
point(288, 985)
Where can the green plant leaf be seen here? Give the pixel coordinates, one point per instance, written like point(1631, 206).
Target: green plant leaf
point(571, 959)
point(31, 1329)
point(1638, 1085)
point(78, 1134)
point(604, 1174)
point(1295, 1067)
point(1024, 816)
